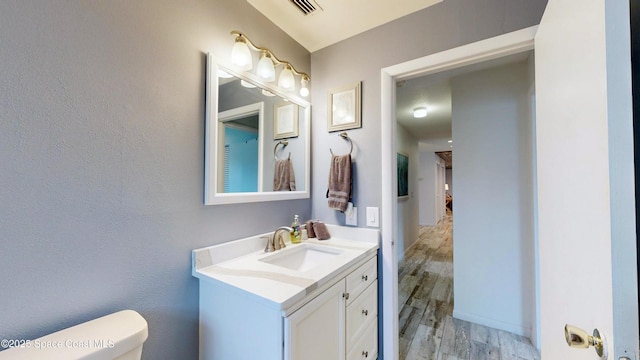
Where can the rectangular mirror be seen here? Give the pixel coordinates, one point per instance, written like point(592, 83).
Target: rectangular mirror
point(253, 130)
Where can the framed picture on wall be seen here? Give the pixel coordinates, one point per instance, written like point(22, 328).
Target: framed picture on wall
point(403, 176)
point(344, 108)
point(285, 120)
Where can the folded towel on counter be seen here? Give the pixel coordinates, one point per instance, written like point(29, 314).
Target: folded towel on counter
point(339, 191)
point(309, 227)
point(283, 177)
point(321, 231)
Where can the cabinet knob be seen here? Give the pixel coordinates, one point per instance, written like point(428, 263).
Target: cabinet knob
point(345, 296)
point(365, 312)
point(365, 277)
point(365, 354)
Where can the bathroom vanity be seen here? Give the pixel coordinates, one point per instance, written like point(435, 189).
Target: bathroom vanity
point(315, 300)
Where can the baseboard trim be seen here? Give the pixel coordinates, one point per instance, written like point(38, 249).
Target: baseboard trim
point(413, 244)
point(492, 323)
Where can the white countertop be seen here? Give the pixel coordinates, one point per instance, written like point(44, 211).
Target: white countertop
point(237, 265)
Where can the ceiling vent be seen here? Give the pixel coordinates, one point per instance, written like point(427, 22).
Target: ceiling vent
point(306, 6)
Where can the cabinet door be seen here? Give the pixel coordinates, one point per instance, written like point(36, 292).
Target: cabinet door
point(316, 331)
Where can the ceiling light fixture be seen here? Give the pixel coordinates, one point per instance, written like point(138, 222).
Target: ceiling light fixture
point(241, 57)
point(420, 112)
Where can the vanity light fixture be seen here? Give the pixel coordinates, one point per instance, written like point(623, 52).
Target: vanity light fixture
point(266, 70)
point(304, 86)
point(286, 79)
point(241, 56)
point(420, 112)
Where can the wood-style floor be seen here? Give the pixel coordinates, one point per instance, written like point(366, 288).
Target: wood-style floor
point(428, 330)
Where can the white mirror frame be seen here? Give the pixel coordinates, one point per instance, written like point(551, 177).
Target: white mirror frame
point(211, 170)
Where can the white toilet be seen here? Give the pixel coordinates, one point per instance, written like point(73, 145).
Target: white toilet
point(118, 336)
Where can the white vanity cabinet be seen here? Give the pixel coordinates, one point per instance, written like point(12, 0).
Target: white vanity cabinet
point(340, 323)
point(315, 300)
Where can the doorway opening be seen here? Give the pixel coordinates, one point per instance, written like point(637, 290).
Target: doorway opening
point(489, 119)
point(494, 48)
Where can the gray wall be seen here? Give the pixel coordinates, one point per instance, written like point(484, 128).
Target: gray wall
point(408, 209)
point(443, 26)
point(101, 172)
point(493, 247)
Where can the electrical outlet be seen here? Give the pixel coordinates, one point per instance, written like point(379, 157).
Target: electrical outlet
point(351, 215)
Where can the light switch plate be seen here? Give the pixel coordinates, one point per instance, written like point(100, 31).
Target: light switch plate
point(373, 217)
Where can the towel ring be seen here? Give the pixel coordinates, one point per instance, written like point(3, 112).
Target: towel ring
point(284, 144)
point(345, 136)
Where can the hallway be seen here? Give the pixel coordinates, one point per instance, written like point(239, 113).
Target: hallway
point(425, 296)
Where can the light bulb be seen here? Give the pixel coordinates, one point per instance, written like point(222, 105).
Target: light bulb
point(241, 55)
point(265, 68)
point(420, 112)
point(304, 89)
point(286, 78)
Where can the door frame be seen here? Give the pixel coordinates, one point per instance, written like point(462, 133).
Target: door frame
point(484, 50)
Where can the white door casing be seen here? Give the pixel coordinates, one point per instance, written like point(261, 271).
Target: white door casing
point(489, 49)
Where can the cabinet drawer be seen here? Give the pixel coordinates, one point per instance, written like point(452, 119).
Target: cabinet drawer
point(358, 280)
point(367, 346)
point(361, 313)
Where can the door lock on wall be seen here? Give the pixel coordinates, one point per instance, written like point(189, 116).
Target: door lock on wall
point(578, 338)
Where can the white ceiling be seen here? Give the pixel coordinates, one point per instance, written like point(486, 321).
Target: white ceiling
point(337, 20)
point(334, 20)
point(434, 92)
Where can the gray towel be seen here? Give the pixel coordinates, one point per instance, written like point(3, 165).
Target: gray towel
point(283, 176)
point(339, 191)
point(321, 231)
point(310, 233)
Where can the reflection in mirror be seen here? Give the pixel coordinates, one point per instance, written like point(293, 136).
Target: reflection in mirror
point(245, 124)
point(239, 143)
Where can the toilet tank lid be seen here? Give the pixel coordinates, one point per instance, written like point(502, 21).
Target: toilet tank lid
point(109, 336)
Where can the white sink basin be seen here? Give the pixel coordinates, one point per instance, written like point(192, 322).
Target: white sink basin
point(302, 257)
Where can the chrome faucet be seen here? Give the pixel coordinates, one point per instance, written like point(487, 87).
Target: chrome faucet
point(275, 241)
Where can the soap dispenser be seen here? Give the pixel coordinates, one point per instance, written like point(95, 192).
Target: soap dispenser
point(296, 235)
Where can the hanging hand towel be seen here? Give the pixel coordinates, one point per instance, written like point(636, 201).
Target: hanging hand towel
point(339, 191)
point(283, 176)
